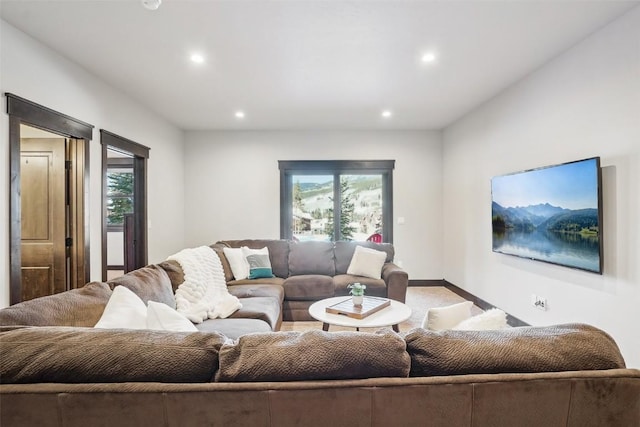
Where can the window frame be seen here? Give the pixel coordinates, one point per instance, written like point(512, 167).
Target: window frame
point(119, 163)
point(289, 168)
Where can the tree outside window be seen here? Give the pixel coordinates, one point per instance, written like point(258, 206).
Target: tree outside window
point(311, 191)
point(119, 197)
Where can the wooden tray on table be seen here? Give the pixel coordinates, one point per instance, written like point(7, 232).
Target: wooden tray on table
point(369, 306)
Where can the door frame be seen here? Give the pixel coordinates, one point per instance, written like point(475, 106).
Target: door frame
point(23, 111)
point(140, 155)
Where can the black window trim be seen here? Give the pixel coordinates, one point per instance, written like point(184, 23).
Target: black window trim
point(288, 168)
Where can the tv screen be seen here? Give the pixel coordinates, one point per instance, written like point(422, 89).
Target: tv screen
point(551, 214)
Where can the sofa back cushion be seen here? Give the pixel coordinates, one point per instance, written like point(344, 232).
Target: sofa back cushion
point(174, 272)
point(570, 347)
point(311, 257)
point(344, 252)
point(77, 307)
point(149, 283)
point(313, 355)
point(278, 252)
point(82, 355)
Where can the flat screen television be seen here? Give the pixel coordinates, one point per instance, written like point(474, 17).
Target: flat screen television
point(551, 214)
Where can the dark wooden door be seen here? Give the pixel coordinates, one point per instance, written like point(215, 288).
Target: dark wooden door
point(43, 213)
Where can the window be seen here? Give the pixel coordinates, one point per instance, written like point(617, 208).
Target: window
point(360, 192)
point(120, 189)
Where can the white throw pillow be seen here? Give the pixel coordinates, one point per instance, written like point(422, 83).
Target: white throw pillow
point(441, 318)
point(367, 262)
point(490, 319)
point(237, 262)
point(162, 317)
point(124, 310)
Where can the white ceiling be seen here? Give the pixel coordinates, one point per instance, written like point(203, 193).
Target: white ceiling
point(295, 64)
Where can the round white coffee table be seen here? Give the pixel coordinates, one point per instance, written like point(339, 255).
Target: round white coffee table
point(392, 315)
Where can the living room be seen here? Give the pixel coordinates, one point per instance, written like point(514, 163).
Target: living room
point(208, 185)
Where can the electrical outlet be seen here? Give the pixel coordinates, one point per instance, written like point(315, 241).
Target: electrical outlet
point(539, 302)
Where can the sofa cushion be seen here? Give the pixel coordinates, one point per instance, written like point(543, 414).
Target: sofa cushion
point(267, 309)
point(219, 249)
point(259, 267)
point(234, 328)
point(175, 273)
point(278, 252)
point(161, 317)
point(264, 281)
point(308, 287)
point(125, 310)
point(344, 252)
point(84, 355)
point(237, 262)
point(149, 283)
point(77, 307)
point(441, 318)
point(367, 262)
point(311, 257)
point(570, 347)
point(258, 290)
point(313, 355)
point(375, 287)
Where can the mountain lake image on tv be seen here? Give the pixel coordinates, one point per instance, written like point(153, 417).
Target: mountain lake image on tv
point(551, 214)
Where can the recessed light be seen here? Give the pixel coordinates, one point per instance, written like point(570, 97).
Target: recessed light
point(239, 114)
point(386, 114)
point(151, 4)
point(428, 57)
point(197, 58)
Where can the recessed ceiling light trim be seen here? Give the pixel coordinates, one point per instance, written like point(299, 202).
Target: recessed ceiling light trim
point(428, 57)
point(151, 4)
point(197, 58)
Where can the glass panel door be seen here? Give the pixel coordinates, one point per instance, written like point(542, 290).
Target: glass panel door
point(312, 207)
point(361, 207)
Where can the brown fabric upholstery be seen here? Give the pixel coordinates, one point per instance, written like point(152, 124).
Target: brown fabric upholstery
point(77, 355)
point(234, 328)
point(278, 252)
point(77, 307)
point(267, 309)
point(226, 267)
point(257, 290)
point(296, 311)
point(308, 287)
point(313, 355)
point(396, 280)
point(571, 347)
point(260, 281)
point(375, 287)
point(311, 257)
point(592, 398)
point(175, 273)
point(344, 252)
point(150, 283)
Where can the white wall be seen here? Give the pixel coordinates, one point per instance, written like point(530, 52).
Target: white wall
point(584, 103)
point(35, 72)
point(233, 185)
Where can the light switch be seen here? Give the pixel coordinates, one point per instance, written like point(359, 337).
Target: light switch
point(400, 220)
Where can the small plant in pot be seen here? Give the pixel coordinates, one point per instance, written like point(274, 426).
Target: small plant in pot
point(357, 292)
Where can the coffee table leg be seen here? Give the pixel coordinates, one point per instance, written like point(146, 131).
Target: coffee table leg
point(396, 328)
point(325, 326)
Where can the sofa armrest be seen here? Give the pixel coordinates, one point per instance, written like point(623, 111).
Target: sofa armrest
point(396, 280)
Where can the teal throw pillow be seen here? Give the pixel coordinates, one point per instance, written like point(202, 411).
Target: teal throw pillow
point(259, 266)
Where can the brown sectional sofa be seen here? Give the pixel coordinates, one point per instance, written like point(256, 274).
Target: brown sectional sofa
point(313, 270)
point(567, 375)
point(56, 370)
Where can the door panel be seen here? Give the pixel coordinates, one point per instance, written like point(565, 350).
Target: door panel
point(42, 176)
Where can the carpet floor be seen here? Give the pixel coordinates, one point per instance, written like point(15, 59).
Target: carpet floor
point(419, 298)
